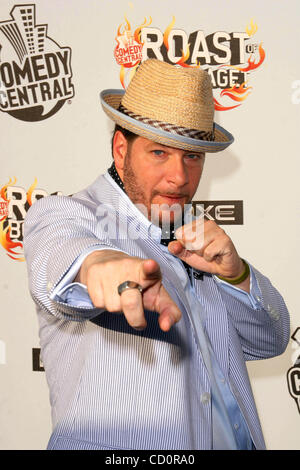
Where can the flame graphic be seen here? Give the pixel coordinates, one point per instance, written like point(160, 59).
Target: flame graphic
point(3, 193)
point(129, 38)
point(252, 30)
point(167, 33)
point(220, 107)
point(5, 230)
point(235, 92)
point(8, 244)
point(4, 211)
point(137, 32)
point(185, 55)
point(122, 76)
point(3, 190)
point(5, 239)
point(30, 191)
point(127, 28)
point(251, 63)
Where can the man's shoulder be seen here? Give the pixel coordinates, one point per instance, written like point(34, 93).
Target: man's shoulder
point(89, 198)
point(94, 191)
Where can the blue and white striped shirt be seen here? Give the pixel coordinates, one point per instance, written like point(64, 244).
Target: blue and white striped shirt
point(113, 387)
point(229, 428)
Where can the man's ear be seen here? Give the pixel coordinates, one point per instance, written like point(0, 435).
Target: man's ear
point(120, 147)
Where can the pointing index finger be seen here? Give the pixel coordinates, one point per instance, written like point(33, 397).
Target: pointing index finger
point(150, 270)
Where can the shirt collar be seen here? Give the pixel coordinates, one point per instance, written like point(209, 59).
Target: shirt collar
point(163, 237)
point(153, 230)
point(112, 171)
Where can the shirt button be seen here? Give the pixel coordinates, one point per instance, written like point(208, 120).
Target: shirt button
point(274, 314)
point(236, 426)
point(205, 397)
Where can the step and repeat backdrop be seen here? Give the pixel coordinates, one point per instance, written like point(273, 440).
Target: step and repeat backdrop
point(55, 58)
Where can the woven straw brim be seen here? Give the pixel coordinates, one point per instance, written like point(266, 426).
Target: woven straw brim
point(111, 99)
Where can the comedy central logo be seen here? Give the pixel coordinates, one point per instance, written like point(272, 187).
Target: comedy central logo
point(228, 57)
point(35, 72)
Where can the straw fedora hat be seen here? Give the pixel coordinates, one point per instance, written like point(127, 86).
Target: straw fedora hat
point(170, 105)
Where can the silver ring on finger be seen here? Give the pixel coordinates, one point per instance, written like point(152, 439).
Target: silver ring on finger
point(129, 285)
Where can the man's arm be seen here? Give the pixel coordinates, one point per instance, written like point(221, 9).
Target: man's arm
point(103, 271)
point(205, 246)
point(57, 230)
point(262, 323)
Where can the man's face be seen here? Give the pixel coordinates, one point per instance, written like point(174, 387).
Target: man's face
point(160, 177)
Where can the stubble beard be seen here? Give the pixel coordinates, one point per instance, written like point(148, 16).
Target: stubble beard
point(138, 197)
point(132, 187)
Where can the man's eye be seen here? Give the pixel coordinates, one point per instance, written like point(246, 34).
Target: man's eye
point(193, 156)
point(158, 152)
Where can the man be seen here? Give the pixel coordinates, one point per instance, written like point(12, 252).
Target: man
point(145, 327)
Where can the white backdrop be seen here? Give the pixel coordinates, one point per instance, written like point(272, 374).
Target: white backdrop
point(66, 150)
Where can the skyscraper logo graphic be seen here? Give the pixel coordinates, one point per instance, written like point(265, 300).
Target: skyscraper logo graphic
point(35, 72)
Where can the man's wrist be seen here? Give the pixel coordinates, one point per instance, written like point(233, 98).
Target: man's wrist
point(96, 256)
point(238, 279)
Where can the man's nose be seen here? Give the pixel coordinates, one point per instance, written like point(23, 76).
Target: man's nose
point(176, 171)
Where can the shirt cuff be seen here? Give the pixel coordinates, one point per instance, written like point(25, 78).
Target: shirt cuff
point(76, 294)
point(252, 299)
